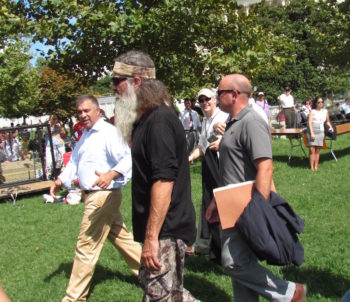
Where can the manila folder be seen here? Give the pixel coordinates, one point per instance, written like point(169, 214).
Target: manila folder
point(231, 201)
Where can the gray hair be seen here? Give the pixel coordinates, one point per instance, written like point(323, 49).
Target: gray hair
point(87, 97)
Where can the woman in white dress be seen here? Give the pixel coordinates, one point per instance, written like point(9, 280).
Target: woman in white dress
point(317, 117)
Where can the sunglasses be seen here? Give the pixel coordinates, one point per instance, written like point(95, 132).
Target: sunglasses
point(202, 100)
point(220, 92)
point(117, 81)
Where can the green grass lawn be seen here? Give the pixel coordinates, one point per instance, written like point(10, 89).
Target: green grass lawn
point(38, 241)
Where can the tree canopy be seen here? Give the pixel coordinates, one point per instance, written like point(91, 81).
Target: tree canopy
point(193, 43)
point(58, 92)
point(19, 93)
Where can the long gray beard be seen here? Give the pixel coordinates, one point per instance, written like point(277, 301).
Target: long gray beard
point(125, 113)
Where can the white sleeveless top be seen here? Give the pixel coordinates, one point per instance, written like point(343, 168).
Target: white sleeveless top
point(319, 117)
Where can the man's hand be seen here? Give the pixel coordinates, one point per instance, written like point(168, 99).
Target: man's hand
point(215, 145)
point(219, 128)
point(105, 178)
point(160, 201)
point(149, 255)
point(212, 214)
point(55, 187)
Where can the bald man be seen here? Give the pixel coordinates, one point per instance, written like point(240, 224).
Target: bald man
point(245, 154)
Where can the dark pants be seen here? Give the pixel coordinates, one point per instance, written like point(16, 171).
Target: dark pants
point(289, 113)
point(191, 138)
point(210, 180)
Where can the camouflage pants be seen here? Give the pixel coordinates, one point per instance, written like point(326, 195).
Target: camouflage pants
point(166, 285)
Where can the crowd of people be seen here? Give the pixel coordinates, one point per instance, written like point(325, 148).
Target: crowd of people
point(37, 145)
point(150, 145)
point(153, 147)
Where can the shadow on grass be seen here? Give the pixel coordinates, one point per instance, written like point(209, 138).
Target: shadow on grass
point(202, 264)
point(319, 281)
point(101, 274)
point(65, 268)
point(200, 287)
point(338, 153)
point(295, 161)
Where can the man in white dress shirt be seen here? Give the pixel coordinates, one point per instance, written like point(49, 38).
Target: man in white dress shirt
point(192, 125)
point(102, 162)
point(287, 102)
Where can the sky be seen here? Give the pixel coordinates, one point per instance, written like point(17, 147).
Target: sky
point(35, 49)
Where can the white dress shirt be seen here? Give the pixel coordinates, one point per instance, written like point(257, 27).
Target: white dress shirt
point(100, 149)
point(346, 108)
point(287, 101)
point(185, 118)
point(207, 127)
point(12, 150)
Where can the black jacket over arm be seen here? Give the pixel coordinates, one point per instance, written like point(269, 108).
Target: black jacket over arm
point(270, 229)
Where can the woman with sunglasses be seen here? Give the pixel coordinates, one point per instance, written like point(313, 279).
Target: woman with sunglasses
point(208, 237)
point(317, 117)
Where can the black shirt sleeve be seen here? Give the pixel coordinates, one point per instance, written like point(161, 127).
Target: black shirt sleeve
point(161, 140)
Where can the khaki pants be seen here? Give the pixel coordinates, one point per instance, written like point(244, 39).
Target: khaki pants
point(101, 218)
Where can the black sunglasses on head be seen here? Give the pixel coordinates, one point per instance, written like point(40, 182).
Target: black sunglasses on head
point(202, 100)
point(117, 81)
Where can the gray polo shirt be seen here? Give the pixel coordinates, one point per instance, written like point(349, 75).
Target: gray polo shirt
point(246, 139)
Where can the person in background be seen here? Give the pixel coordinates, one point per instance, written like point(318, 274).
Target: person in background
point(197, 108)
point(3, 159)
point(263, 104)
point(12, 147)
point(257, 108)
point(305, 110)
point(306, 106)
point(329, 103)
point(58, 148)
point(192, 125)
point(287, 103)
point(208, 235)
point(104, 116)
point(36, 145)
point(101, 161)
point(346, 108)
point(162, 211)
point(78, 129)
point(315, 134)
point(332, 108)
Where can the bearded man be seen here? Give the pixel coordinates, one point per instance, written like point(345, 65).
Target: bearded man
point(163, 213)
